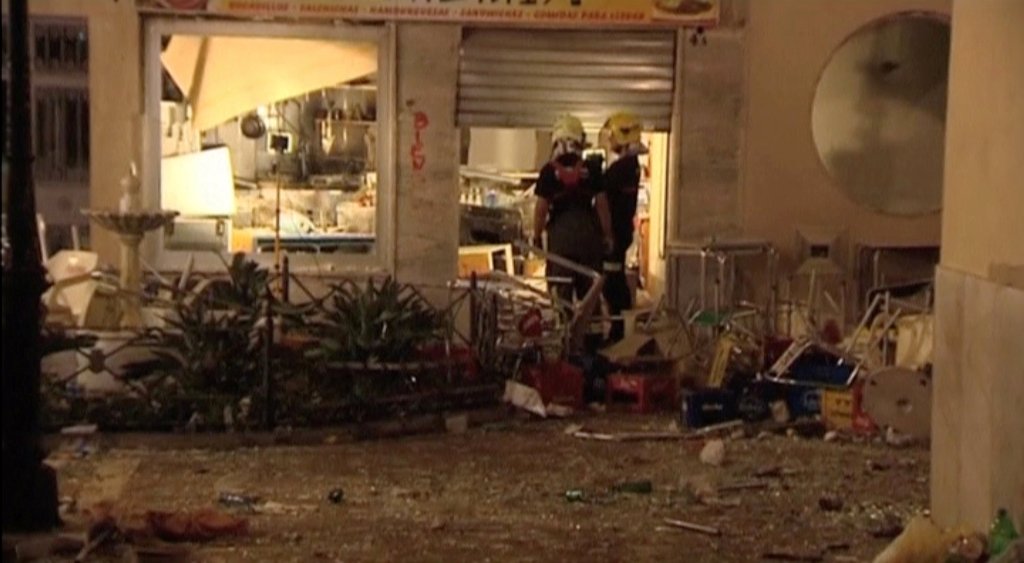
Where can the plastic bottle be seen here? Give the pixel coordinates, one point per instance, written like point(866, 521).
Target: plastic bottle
point(1002, 533)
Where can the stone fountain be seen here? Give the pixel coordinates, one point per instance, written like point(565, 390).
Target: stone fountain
point(131, 223)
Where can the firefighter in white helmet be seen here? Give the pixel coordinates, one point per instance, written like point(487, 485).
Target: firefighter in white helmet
point(572, 207)
point(621, 137)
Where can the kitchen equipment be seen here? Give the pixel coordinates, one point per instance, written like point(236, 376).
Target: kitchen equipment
point(253, 127)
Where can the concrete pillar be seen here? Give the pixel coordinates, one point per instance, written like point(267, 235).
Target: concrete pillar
point(977, 425)
point(428, 154)
point(115, 94)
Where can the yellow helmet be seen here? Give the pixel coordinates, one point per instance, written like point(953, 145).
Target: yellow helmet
point(568, 128)
point(623, 129)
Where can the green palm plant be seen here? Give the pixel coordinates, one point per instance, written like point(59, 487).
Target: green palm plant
point(211, 343)
point(389, 322)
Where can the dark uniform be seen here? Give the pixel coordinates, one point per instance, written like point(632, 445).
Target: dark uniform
point(569, 184)
point(621, 185)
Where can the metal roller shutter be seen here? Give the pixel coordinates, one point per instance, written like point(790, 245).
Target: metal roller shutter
point(527, 78)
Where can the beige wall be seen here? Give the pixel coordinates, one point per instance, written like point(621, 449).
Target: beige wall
point(784, 183)
point(977, 445)
point(115, 95)
point(985, 142)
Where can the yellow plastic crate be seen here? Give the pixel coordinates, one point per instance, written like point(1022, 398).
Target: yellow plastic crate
point(837, 409)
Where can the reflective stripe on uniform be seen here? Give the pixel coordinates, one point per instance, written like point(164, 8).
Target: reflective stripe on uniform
point(612, 266)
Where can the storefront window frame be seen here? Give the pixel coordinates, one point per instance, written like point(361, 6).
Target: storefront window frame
point(381, 259)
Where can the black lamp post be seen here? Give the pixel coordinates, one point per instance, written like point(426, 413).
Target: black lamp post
point(29, 486)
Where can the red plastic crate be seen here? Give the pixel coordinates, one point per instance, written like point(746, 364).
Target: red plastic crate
point(560, 383)
point(648, 392)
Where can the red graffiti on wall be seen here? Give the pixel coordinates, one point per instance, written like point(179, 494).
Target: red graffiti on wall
point(419, 124)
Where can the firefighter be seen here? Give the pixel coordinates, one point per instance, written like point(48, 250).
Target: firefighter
point(621, 138)
point(571, 207)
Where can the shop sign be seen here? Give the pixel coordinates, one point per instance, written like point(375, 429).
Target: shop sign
point(574, 13)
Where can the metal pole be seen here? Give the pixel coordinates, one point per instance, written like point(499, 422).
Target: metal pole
point(29, 487)
point(286, 285)
point(268, 364)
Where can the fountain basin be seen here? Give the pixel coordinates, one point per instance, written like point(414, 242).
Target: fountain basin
point(130, 223)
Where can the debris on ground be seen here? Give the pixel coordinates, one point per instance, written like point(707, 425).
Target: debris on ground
point(579, 431)
point(572, 429)
point(559, 411)
point(690, 526)
point(896, 439)
point(1002, 532)
point(240, 501)
point(700, 488)
point(786, 555)
point(575, 495)
point(743, 486)
point(184, 525)
point(877, 465)
point(780, 412)
point(772, 471)
point(336, 496)
point(922, 541)
point(1014, 553)
point(566, 482)
point(968, 548)
point(525, 398)
point(644, 487)
point(79, 430)
point(885, 525)
point(830, 503)
point(713, 453)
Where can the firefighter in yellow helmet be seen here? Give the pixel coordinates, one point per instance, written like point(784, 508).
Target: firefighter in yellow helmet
point(571, 207)
point(621, 137)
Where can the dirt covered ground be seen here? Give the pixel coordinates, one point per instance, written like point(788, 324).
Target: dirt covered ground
point(498, 493)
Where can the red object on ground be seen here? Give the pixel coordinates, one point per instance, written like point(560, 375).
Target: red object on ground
point(862, 423)
point(559, 382)
point(650, 392)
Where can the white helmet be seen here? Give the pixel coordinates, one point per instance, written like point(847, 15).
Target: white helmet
point(568, 128)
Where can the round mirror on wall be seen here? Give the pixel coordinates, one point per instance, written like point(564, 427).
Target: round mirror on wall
point(879, 114)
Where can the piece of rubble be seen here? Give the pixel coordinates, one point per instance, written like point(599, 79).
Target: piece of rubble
point(788, 555)
point(573, 428)
point(524, 397)
point(713, 453)
point(830, 503)
point(896, 439)
point(774, 471)
point(877, 465)
point(559, 411)
point(700, 487)
point(780, 412)
point(921, 540)
point(692, 527)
